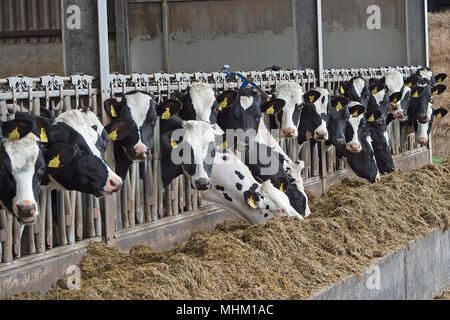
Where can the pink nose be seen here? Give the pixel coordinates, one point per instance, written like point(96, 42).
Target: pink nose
point(280, 212)
point(26, 211)
point(378, 178)
point(354, 147)
point(422, 140)
point(288, 132)
point(321, 135)
point(114, 185)
point(141, 152)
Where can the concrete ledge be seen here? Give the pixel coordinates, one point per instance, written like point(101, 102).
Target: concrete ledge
point(419, 271)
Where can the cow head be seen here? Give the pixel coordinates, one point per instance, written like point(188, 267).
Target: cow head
point(422, 98)
point(240, 112)
point(338, 116)
point(364, 163)
point(314, 114)
point(269, 202)
point(427, 74)
point(399, 93)
point(199, 103)
point(288, 119)
point(423, 130)
point(295, 190)
point(194, 148)
point(356, 89)
point(21, 169)
point(356, 127)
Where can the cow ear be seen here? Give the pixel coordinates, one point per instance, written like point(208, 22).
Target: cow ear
point(112, 108)
point(377, 87)
point(177, 95)
point(440, 113)
point(59, 155)
point(357, 110)
point(252, 199)
point(47, 113)
point(226, 99)
point(119, 129)
point(374, 116)
point(417, 91)
point(17, 129)
point(311, 96)
point(395, 97)
point(440, 77)
point(272, 106)
point(339, 102)
point(438, 89)
point(168, 108)
point(411, 81)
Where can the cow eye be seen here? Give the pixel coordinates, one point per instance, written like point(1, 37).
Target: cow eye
point(94, 127)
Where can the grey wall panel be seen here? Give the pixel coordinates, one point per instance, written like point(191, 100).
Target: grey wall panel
point(348, 42)
point(416, 32)
point(306, 29)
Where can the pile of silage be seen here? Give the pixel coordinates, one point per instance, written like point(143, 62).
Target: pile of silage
point(351, 226)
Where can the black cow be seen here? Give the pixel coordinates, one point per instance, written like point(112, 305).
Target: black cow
point(313, 119)
point(356, 89)
point(338, 116)
point(240, 115)
point(21, 169)
point(141, 109)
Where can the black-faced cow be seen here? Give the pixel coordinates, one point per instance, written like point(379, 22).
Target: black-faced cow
point(427, 73)
point(240, 114)
point(235, 189)
point(356, 89)
point(199, 103)
point(338, 116)
point(21, 169)
point(188, 147)
point(313, 119)
point(141, 108)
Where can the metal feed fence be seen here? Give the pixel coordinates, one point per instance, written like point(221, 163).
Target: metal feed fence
point(142, 200)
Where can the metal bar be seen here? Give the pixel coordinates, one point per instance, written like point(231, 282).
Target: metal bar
point(319, 37)
point(165, 33)
point(427, 41)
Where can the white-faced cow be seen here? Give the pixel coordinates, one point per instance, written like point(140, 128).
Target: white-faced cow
point(141, 109)
point(356, 89)
point(21, 169)
point(188, 147)
point(199, 103)
point(236, 189)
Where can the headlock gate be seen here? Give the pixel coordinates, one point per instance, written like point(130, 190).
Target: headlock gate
point(68, 220)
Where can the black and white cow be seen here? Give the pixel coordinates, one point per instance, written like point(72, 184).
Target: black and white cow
point(240, 113)
point(427, 73)
point(21, 169)
point(356, 89)
point(73, 158)
point(235, 189)
point(188, 147)
point(141, 108)
point(399, 104)
point(313, 119)
point(337, 119)
point(199, 103)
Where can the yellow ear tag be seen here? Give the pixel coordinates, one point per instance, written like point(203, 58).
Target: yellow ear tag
point(439, 80)
point(166, 115)
point(282, 187)
point(271, 110)
point(224, 145)
point(14, 135)
point(355, 114)
point(339, 106)
point(311, 99)
point(416, 94)
point(409, 84)
point(113, 135)
point(44, 137)
point(435, 92)
point(54, 163)
point(374, 91)
point(251, 201)
point(395, 100)
point(113, 112)
point(173, 143)
point(268, 99)
point(439, 115)
point(342, 90)
point(223, 104)
point(371, 118)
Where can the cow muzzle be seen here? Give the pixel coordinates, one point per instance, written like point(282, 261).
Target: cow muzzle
point(339, 141)
point(422, 140)
point(378, 178)
point(141, 153)
point(354, 147)
point(321, 135)
point(27, 212)
point(288, 132)
point(202, 184)
point(113, 185)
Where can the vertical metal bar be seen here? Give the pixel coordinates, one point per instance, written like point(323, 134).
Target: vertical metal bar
point(427, 42)
point(165, 32)
point(109, 202)
point(319, 37)
point(78, 217)
point(40, 224)
point(61, 219)
point(69, 218)
point(7, 255)
point(122, 37)
point(49, 221)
